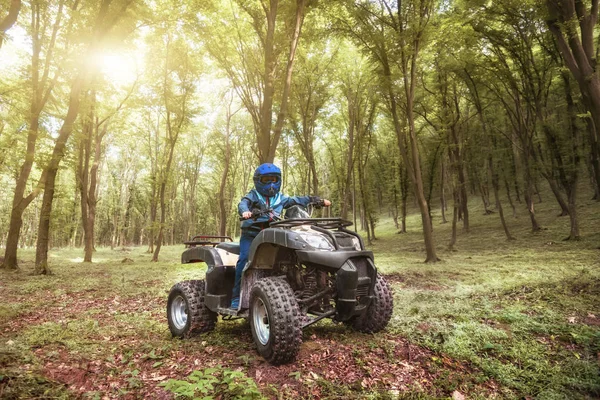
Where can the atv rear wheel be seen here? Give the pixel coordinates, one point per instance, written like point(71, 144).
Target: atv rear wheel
point(275, 320)
point(186, 312)
point(377, 316)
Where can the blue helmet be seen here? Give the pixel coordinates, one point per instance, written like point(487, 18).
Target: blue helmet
point(267, 179)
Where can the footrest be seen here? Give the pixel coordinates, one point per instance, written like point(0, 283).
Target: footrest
point(232, 312)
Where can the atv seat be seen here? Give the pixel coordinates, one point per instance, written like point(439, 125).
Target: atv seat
point(231, 247)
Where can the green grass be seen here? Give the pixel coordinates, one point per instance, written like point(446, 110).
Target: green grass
point(494, 319)
point(526, 313)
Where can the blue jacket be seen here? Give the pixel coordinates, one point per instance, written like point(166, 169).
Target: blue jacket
point(278, 202)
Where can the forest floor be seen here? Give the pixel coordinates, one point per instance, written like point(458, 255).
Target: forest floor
point(494, 319)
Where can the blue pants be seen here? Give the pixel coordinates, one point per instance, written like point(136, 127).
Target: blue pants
point(245, 242)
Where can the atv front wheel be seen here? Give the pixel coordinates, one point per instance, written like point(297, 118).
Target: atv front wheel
point(377, 316)
point(186, 312)
point(275, 320)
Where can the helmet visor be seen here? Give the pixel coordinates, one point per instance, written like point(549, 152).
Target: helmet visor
point(268, 179)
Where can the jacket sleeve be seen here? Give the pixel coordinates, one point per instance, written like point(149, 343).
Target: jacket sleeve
point(245, 203)
point(289, 201)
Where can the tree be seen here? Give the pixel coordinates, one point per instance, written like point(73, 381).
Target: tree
point(310, 93)
point(393, 34)
point(44, 77)
point(221, 195)
point(574, 25)
point(176, 88)
point(104, 22)
point(252, 59)
point(91, 152)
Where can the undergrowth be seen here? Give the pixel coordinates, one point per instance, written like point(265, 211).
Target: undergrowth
point(494, 319)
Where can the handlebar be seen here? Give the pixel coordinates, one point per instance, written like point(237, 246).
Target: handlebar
point(257, 213)
point(318, 204)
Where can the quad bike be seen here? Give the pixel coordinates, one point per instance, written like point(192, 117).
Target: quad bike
point(300, 270)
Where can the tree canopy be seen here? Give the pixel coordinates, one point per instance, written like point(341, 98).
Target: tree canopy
point(134, 122)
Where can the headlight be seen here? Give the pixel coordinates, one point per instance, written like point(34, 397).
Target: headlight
point(316, 241)
point(356, 243)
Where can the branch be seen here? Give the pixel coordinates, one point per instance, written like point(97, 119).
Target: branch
point(10, 19)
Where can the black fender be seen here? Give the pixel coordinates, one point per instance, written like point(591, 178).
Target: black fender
point(220, 273)
point(209, 255)
point(265, 246)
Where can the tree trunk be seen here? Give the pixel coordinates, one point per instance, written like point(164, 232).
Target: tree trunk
point(404, 193)
point(510, 200)
point(454, 220)
point(571, 179)
point(574, 233)
point(173, 124)
point(41, 251)
point(163, 216)
point(10, 19)
point(350, 155)
point(529, 203)
point(41, 91)
point(226, 162)
point(394, 209)
point(496, 187)
point(41, 256)
point(564, 208)
point(573, 25)
point(443, 192)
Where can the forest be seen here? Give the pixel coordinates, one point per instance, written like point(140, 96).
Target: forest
point(460, 137)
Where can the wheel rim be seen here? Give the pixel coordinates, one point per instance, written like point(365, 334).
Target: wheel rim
point(261, 321)
point(179, 312)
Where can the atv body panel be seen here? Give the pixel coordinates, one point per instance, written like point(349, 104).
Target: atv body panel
point(354, 270)
point(220, 273)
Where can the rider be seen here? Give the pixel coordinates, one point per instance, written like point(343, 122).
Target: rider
point(265, 195)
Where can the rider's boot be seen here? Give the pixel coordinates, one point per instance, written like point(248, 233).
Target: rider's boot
point(235, 303)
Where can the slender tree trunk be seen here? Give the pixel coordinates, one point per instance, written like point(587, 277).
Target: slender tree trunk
point(564, 208)
point(83, 177)
point(496, 188)
point(594, 158)
point(570, 179)
point(41, 257)
point(41, 252)
point(350, 155)
point(443, 192)
point(529, 202)
point(455, 209)
point(163, 216)
point(510, 200)
point(226, 162)
point(173, 124)
point(90, 240)
point(394, 209)
point(538, 191)
point(464, 198)
point(574, 233)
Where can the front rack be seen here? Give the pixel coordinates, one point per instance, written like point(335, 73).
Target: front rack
point(322, 225)
point(325, 223)
point(206, 240)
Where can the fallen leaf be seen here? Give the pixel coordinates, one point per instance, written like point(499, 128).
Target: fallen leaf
point(456, 395)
